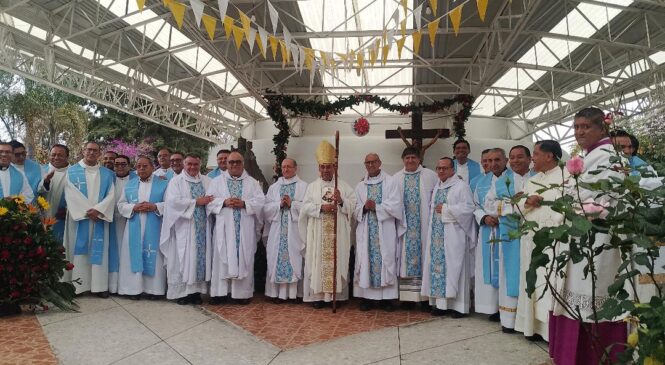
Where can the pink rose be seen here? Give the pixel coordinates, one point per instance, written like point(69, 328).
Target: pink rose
point(595, 210)
point(575, 166)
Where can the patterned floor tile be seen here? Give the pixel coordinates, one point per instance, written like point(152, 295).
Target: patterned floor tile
point(23, 342)
point(290, 325)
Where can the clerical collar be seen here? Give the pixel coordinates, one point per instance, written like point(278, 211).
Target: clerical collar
point(417, 170)
point(3, 168)
point(602, 142)
point(290, 180)
point(146, 180)
point(502, 172)
point(122, 177)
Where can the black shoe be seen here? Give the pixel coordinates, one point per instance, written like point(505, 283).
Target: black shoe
point(496, 317)
point(183, 301)
point(388, 306)
point(436, 312)
point(278, 301)
point(152, 296)
point(425, 307)
point(102, 294)
point(407, 305)
point(243, 301)
point(534, 338)
point(456, 314)
point(318, 304)
point(365, 305)
point(507, 330)
point(134, 297)
point(195, 299)
point(217, 300)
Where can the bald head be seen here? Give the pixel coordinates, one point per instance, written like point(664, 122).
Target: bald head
point(235, 164)
point(372, 164)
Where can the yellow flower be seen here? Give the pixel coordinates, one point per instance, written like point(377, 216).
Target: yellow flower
point(43, 203)
point(3, 211)
point(19, 199)
point(632, 339)
point(652, 361)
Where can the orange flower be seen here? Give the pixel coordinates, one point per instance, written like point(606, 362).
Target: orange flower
point(48, 221)
point(33, 209)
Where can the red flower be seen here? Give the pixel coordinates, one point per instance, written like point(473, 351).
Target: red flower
point(28, 240)
point(13, 281)
point(15, 294)
point(4, 255)
point(69, 266)
point(40, 251)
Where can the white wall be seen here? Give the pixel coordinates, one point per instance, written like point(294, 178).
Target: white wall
point(482, 133)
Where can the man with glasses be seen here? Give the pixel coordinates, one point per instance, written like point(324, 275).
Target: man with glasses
point(90, 197)
point(378, 213)
point(184, 237)
point(283, 249)
point(52, 187)
point(29, 168)
point(164, 159)
point(12, 181)
point(237, 207)
point(451, 236)
point(123, 173)
point(176, 160)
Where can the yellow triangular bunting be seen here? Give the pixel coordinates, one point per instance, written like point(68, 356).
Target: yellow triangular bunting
point(431, 30)
point(324, 58)
point(260, 44)
point(456, 18)
point(246, 22)
point(178, 11)
point(167, 3)
point(238, 34)
point(228, 26)
point(286, 55)
point(417, 36)
point(400, 45)
point(309, 58)
point(384, 54)
point(402, 27)
point(404, 5)
point(274, 43)
point(210, 23)
point(374, 52)
point(140, 4)
point(433, 4)
point(482, 8)
point(360, 57)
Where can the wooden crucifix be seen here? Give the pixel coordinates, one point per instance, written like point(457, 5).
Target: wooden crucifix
point(417, 133)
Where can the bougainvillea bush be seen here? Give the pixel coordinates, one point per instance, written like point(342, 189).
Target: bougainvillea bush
point(32, 261)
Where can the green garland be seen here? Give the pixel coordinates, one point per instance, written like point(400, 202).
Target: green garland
point(317, 109)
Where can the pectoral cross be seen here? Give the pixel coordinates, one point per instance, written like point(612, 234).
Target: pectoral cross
point(79, 183)
point(417, 133)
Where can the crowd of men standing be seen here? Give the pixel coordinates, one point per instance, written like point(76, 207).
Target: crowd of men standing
point(424, 238)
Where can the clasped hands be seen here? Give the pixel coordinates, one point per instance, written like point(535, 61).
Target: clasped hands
point(330, 208)
point(285, 202)
point(93, 214)
point(235, 203)
point(144, 207)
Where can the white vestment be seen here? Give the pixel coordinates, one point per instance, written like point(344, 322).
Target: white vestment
point(533, 313)
point(409, 260)
point(56, 188)
point(316, 232)
point(486, 296)
point(292, 251)
point(160, 172)
point(389, 228)
point(459, 235)
point(93, 278)
point(178, 240)
point(233, 259)
point(134, 283)
point(497, 207)
point(575, 288)
point(119, 222)
point(5, 181)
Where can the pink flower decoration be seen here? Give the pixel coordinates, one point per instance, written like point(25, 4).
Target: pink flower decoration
point(575, 166)
point(596, 210)
point(360, 127)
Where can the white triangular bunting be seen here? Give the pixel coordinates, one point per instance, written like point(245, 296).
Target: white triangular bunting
point(274, 17)
point(287, 35)
point(251, 39)
point(197, 8)
point(223, 5)
point(295, 54)
point(263, 34)
point(418, 15)
point(301, 59)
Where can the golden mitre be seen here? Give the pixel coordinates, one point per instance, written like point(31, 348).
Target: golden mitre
point(325, 153)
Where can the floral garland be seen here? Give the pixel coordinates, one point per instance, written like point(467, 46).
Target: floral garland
point(317, 109)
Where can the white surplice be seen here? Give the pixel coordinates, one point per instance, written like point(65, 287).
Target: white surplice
point(94, 278)
point(409, 285)
point(5, 181)
point(134, 283)
point(233, 266)
point(178, 238)
point(56, 188)
point(533, 313)
point(119, 222)
point(313, 225)
point(390, 228)
point(486, 296)
point(459, 236)
point(272, 213)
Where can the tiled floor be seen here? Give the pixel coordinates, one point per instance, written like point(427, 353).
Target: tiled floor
point(23, 342)
point(293, 325)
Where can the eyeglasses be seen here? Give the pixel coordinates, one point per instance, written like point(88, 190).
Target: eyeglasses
point(20, 154)
point(176, 159)
point(443, 168)
point(234, 162)
point(373, 162)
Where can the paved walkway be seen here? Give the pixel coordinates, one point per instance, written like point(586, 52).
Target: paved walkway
point(121, 331)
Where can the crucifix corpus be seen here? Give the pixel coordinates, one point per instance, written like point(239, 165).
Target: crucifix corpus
point(417, 133)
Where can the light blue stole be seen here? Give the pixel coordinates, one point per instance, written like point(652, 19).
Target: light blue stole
point(505, 189)
point(169, 174)
point(475, 181)
point(114, 251)
point(490, 259)
point(15, 182)
point(33, 172)
point(59, 226)
point(474, 168)
point(214, 173)
point(76, 175)
point(142, 252)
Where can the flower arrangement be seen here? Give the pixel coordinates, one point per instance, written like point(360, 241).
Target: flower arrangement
point(360, 127)
point(32, 261)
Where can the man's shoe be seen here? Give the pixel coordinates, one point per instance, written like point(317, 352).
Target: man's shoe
point(318, 304)
point(102, 294)
point(534, 338)
point(134, 297)
point(507, 330)
point(388, 306)
point(278, 301)
point(436, 312)
point(425, 307)
point(183, 301)
point(496, 317)
point(244, 301)
point(217, 300)
point(456, 314)
point(365, 305)
point(195, 299)
point(407, 305)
